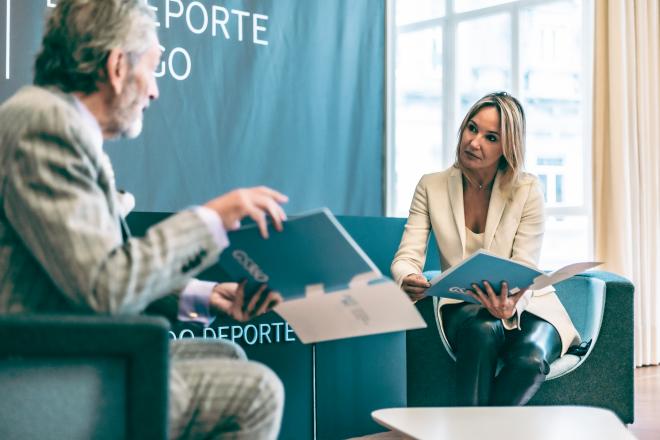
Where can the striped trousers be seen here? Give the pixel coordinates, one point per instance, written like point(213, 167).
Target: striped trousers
point(215, 392)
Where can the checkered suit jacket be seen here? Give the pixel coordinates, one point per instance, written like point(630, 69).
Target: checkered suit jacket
point(61, 244)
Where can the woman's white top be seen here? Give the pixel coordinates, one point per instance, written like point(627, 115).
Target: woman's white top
point(473, 241)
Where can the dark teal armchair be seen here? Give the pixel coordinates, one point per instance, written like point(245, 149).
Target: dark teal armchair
point(599, 303)
point(83, 377)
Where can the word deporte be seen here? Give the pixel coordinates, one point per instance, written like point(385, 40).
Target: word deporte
point(249, 334)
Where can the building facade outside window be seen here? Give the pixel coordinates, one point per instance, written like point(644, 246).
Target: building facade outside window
point(443, 55)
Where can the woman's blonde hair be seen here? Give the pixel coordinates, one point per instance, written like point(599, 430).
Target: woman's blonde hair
point(512, 134)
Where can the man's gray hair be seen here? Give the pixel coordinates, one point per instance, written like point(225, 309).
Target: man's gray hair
point(81, 33)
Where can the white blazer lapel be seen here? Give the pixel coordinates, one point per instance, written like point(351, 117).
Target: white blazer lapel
point(456, 200)
point(495, 210)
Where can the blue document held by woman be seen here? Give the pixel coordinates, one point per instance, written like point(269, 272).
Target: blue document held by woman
point(485, 266)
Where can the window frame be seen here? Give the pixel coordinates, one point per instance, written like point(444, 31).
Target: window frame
point(448, 24)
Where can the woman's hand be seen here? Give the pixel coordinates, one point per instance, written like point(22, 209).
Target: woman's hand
point(415, 286)
point(228, 298)
point(500, 305)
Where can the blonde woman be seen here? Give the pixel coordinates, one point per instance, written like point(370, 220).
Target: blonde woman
point(485, 201)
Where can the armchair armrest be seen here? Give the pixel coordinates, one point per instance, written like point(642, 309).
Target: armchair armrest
point(606, 377)
point(80, 376)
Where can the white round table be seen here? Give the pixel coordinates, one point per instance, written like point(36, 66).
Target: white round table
point(504, 423)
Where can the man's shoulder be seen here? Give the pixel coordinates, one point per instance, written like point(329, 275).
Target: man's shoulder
point(39, 102)
point(36, 109)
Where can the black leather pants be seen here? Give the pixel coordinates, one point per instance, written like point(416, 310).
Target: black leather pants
point(479, 340)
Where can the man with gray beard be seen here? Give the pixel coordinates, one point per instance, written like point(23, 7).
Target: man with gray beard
point(64, 245)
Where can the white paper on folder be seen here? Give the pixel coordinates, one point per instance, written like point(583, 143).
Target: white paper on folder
point(357, 311)
point(562, 274)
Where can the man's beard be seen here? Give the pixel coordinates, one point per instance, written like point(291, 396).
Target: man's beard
point(126, 112)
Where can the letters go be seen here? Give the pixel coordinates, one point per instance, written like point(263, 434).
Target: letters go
point(177, 64)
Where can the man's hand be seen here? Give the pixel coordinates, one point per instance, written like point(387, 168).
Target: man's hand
point(255, 203)
point(501, 305)
point(228, 298)
point(415, 286)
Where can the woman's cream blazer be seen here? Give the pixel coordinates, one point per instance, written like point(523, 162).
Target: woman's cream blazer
point(514, 229)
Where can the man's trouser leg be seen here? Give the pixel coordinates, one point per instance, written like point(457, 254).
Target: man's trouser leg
point(215, 392)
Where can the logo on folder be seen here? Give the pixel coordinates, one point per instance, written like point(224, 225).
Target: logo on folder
point(249, 265)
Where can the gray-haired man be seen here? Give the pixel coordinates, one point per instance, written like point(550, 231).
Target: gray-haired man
point(61, 244)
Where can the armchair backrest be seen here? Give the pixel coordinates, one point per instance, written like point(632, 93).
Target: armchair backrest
point(379, 237)
point(81, 377)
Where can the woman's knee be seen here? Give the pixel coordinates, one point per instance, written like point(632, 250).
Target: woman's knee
point(535, 348)
point(479, 339)
point(529, 358)
point(482, 329)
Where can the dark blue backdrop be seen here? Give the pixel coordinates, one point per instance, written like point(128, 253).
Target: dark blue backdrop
point(302, 113)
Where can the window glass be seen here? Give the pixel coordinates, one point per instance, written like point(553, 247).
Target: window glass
point(566, 235)
point(470, 5)
point(410, 11)
point(559, 188)
point(551, 90)
point(483, 60)
point(418, 111)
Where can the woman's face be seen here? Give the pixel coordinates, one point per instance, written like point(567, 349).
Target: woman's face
point(481, 143)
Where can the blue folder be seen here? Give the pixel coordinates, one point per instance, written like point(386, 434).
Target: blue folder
point(312, 250)
point(481, 266)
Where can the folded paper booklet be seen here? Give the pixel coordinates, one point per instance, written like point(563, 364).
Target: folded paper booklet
point(331, 288)
point(482, 265)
